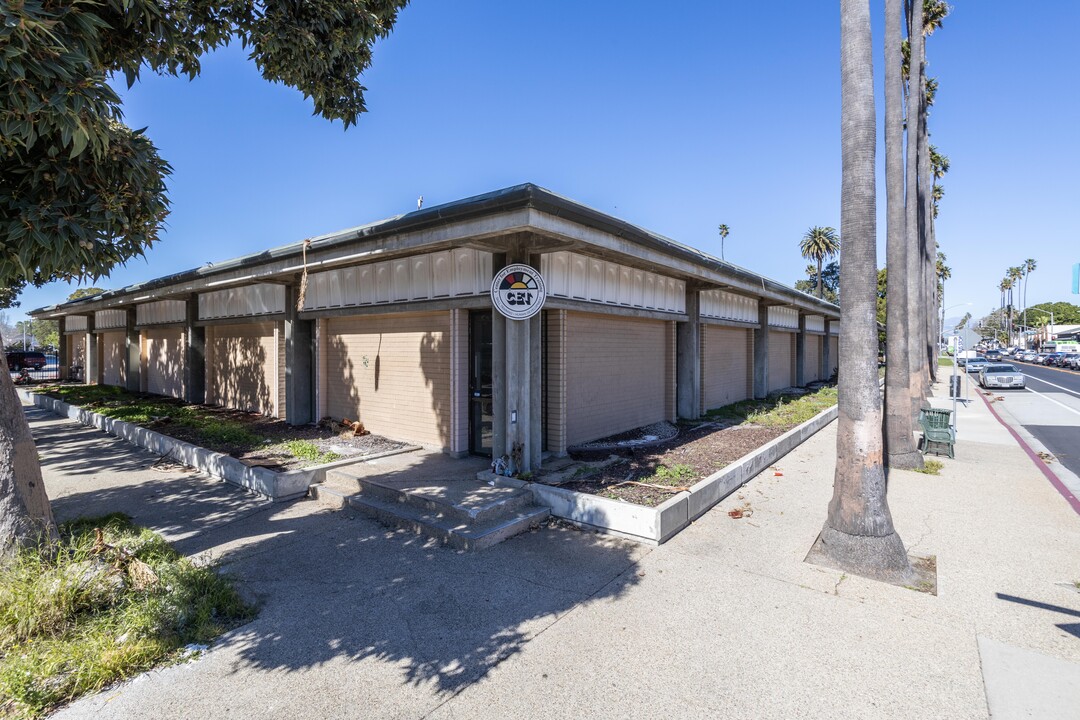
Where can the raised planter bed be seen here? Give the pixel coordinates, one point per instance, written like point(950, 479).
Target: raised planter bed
point(656, 525)
point(277, 486)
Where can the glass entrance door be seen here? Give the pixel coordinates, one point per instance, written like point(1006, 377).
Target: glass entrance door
point(481, 406)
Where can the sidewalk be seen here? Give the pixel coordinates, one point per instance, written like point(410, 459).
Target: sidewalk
point(725, 620)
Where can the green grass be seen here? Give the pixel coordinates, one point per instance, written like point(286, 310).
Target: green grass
point(117, 403)
point(944, 362)
point(66, 631)
point(309, 452)
point(931, 467)
point(677, 475)
point(777, 410)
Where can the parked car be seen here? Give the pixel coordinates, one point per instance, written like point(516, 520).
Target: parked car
point(1053, 358)
point(973, 365)
point(25, 360)
point(1029, 356)
point(1000, 375)
point(1071, 361)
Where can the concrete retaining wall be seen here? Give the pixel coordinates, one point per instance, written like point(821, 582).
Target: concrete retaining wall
point(277, 486)
point(657, 525)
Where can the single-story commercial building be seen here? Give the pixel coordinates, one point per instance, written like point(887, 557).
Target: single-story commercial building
point(410, 325)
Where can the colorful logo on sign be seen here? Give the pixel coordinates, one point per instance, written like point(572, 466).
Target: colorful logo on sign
point(518, 292)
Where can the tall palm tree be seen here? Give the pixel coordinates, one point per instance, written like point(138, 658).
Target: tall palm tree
point(900, 449)
point(916, 266)
point(1016, 274)
point(818, 244)
point(944, 272)
point(724, 230)
point(1029, 267)
point(858, 535)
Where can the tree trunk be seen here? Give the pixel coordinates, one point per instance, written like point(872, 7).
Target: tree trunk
point(899, 440)
point(858, 535)
point(820, 287)
point(25, 514)
point(916, 266)
point(926, 218)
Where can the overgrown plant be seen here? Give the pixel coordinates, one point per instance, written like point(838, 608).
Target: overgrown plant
point(108, 601)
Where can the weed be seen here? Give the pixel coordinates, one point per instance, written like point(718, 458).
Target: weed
point(72, 620)
point(778, 410)
point(931, 467)
point(675, 475)
point(309, 452)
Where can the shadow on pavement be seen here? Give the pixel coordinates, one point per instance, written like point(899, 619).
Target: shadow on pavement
point(334, 586)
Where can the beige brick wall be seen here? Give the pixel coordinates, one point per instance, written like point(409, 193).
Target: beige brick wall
point(834, 356)
point(113, 358)
point(812, 362)
point(781, 359)
point(164, 361)
point(242, 367)
point(279, 329)
point(556, 380)
point(459, 381)
point(403, 390)
point(727, 366)
point(77, 349)
point(619, 374)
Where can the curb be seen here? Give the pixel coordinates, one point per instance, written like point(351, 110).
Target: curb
point(1057, 482)
point(277, 486)
point(657, 525)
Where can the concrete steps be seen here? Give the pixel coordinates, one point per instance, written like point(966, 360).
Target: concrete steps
point(463, 514)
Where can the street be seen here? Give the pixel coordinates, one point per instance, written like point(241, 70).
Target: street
point(1049, 408)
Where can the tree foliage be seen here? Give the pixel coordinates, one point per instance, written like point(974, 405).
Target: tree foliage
point(80, 192)
point(830, 281)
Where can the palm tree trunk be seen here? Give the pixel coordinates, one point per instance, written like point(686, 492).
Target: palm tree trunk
point(820, 288)
point(858, 535)
point(916, 267)
point(25, 514)
point(899, 441)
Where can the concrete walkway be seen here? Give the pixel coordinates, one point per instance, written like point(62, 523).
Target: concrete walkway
point(725, 620)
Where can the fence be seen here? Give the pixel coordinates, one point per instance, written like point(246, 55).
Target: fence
point(25, 373)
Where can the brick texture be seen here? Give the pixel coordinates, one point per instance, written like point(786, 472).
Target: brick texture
point(812, 366)
point(727, 366)
point(390, 371)
point(113, 357)
point(619, 374)
point(164, 361)
point(242, 367)
point(781, 360)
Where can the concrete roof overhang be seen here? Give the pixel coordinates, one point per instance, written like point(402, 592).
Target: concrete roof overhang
point(489, 221)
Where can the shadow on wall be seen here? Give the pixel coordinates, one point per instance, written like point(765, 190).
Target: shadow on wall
point(165, 364)
point(437, 364)
point(340, 381)
point(238, 368)
point(335, 586)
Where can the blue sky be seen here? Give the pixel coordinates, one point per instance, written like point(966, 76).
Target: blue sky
point(674, 117)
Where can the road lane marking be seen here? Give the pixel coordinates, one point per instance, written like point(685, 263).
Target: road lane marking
point(1059, 387)
point(1047, 397)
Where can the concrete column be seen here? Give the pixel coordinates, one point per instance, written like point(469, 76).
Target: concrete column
point(826, 350)
point(194, 355)
point(133, 357)
point(516, 370)
point(688, 359)
point(90, 371)
point(299, 364)
point(800, 352)
point(761, 352)
point(63, 353)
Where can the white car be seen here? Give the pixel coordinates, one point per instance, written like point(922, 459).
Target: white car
point(1001, 375)
point(973, 365)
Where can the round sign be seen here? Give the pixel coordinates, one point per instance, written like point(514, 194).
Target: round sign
point(518, 292)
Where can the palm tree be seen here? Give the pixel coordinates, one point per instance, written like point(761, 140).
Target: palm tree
point(898, 428)
point(724, 230)
point(818, 244)
point(1029, 267)
point(858, 534)
point(916, 265)
point(1015, 275)
point(944, 272)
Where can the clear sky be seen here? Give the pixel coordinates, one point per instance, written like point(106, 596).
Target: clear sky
point(675, 117)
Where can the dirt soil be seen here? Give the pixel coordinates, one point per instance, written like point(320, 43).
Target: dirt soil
point(696, 452)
